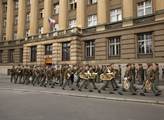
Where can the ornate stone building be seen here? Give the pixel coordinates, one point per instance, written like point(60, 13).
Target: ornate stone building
point(86, 31)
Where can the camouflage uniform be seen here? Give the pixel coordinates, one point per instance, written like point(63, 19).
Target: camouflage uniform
point(129, 76)
point(13, 74)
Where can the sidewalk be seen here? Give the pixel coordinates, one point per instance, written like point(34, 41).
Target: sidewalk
point(150, 99)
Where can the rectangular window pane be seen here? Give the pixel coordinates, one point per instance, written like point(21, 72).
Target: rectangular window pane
point(66, 51)
point(92, 20)
point(114, 46)
point(48, 49)
point(90, 49)
point(11, 56)
point(144, 8)
point(33, 53)
point(115, 15)
point(145, 43)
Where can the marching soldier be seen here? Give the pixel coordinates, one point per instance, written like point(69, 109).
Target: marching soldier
point(133, 70)
point(140, 74)
point(156, 72)
point(13, 74)
point(129, 76)
point(150, 82)
point(90, 79)
point(109, 79)
point(67, 78)
point(119, 73)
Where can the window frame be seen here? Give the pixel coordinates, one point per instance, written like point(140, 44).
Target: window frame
point(89, 49)
point(48, 49)
point(11, 56)
point(33, 54)
point(92, 2)
point(72, 4)
point(72, 23)
point(41, 30)
point(15, 20)
point(16, 4)
point(92, 20)
point(147, 43)
point(114, 42)
point(117, 14)
point(143, 8)
point(56, 8)
point(66, 54)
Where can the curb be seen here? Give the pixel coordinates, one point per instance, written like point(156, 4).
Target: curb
point(159, 102)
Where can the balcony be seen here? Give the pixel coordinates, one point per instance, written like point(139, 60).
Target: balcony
point(54, 34)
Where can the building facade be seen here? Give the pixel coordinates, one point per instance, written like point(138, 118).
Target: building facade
point(85, 31)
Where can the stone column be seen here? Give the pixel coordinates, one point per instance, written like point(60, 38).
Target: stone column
point(159, 8)
point(101, 45)
point(56, 53)
point(47, 14)
point(76, 51)
point(81, 13)
point(34, 17)
point(10, 20)
point(40, 54)
point(21, 19)
point(26, 54)
point(128, 13)
point(63, 6)
point(102, 8)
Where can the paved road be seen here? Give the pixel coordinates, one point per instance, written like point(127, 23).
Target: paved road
point(16, 104)
point(19, 105)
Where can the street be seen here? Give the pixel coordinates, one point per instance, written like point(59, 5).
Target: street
point(17, 104)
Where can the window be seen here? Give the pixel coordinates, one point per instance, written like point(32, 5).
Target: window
point(114, 46)
point(40, 30)
point(115, 15)
point(29, 2)
point(21, 55)
point(16, 20)
point(28, 17)
point(42, 13)
point(33, 54)
point(92, 2)
point(27, 33)
point(90, 49)
point(56, 27)
point(11, 56)
point(66, 51)
point(72, 23)
point(16, 4)
point(72, 4)
point(5, 6)
point(4, 23)
point(56, 8)
point(1, 54)
point(145, 43)
point(144, 8)
point(4, 37)
point(15, 36)
point(92, 20)
point(48, 49)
